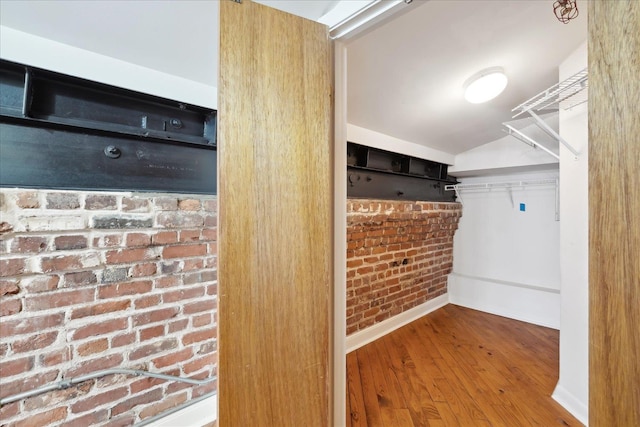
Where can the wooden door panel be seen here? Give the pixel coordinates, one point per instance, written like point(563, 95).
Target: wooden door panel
point(275, 218)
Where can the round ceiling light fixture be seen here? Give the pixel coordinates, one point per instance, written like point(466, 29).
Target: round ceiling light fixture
point(485, 85)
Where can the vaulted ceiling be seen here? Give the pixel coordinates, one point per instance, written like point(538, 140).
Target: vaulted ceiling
point(406, 77)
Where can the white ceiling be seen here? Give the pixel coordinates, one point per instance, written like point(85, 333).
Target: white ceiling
point(405, 77)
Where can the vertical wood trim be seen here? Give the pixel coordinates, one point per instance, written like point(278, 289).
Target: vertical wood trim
point(614, 213)
point(340, 234)
point(276, 219)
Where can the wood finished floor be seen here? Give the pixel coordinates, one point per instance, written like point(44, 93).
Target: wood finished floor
point(457, 367)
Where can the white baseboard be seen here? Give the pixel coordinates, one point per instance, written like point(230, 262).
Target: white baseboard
point(532, 304)
point(372, 333)
point(569, 402)
point(196, 415)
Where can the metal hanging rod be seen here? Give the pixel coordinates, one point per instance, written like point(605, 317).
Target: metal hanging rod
point(64, 384)
point(508, 185)
point(500, 185)
point(529, 141)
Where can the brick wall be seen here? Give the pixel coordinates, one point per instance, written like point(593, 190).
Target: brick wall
point(398, 256)
point(94, 280)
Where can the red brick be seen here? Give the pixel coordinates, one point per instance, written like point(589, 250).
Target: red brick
point(156, 347)
point(210, 234)
point(90, 419)
point(178, 325)
point(35, 342)
point(189, 235)
point(43, 419)
point(210, 221)
point(153, 316)
point(183, 251)
point(28, 200)
point(193, 264)
point(189, 205)
point(202, 335)
point(100, 328)
point(61, 263)
point(173, 358)
point(10, 307)
point(95, 401)
point(125, 256)
point(55, 357)
point(97, 364)
point(183, 294)
point(121, 289)
point(199, 306)
point(147, 301)
point(16, 366)
point(202, 320)
point(132, 402)
point(180, 219)
point(40, 283)
point(9, 410)
point(78, 278)
point(65, 243)
point(31, 324)
point(12, 267)
point(126, 420)
point(93, 347)
point(164, 237)
point(152, 332)
point(145, 384)
point(101, 308)
point(164, 405)
point(138, 239)
point(29, 244)
point(166, 203)
point(123, 339)
point(135, 205)
point(143, 270)
point(59, 299)
point(208, 347)
point(198, 364)
point(166, 282)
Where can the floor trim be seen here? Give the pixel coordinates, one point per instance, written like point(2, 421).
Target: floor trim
point(372, 333)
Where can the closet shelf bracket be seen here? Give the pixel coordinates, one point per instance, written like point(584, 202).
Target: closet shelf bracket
point(571, 91)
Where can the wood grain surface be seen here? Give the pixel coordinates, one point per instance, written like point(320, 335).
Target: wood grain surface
point(457, 367)
point(275, 218)
point(614, 213)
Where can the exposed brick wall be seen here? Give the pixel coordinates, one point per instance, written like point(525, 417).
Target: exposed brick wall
point(93, 280)
point(398, 256)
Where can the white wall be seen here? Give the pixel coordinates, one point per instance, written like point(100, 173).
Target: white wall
point(508, 154)
point(506, 261)
point(572, 390)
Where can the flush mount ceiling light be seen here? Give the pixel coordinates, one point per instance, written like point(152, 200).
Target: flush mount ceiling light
point(485, 85)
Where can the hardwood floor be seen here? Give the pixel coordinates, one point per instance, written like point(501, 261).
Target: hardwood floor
point(457, 367)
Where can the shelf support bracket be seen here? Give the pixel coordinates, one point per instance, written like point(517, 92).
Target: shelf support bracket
point(553, 133)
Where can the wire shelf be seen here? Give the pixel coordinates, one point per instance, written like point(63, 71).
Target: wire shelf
point(566, 90)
